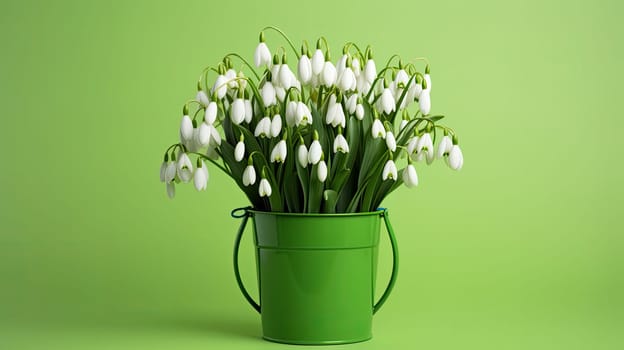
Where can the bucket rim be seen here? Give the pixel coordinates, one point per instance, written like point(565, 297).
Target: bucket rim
point(379, 211)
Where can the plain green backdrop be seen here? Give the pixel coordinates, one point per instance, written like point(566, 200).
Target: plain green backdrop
point(522, 249)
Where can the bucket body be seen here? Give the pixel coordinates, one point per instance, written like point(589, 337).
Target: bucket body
point(316, 276)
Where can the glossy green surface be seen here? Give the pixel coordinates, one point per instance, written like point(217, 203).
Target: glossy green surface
point(316, 275)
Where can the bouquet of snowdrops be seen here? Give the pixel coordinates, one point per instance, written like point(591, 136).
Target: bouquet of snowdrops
point(325, 140)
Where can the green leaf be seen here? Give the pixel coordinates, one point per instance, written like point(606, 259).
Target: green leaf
point(329, 201)
point(315, 193)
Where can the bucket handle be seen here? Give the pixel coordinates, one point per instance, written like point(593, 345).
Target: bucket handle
point(247, 214)
point(395, 261)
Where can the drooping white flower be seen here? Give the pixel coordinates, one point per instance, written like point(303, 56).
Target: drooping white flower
point(318, 60)
point(331, 111)
point(268, 94)
point(220, 86)
point(239, 151)
point(186, 129)
point(315, 153)
point(339, 116)
point(170, 171)
point(351, 103)
point(275, 74)
point(410, 178)
point(291, 113)
point(263, 128)
point(321, 171)
point(262, 55)
point(230, 76)
point(203, 134)
point(237, 111)
point(329, 75)
point(391, 141)
point(401, 79)
point(411, 145)
point(215, 137)
point(302, 155)
point(202, 98)
point(185, 167)
point(424, 102)
point(389, 171)
point(280, 93)
point(210, 116)
point(456, 158)
point(264, 189)
point(378, 129)
point(413, 92)
point(386, 101)
point(445, 146)
point(248, 111)
point(304, 68)
point(276, 125)
point(428, 80)
point(424, 148)
point(347, 80)
point(163, 169)
point(171, 189)
point(287, 78)
point(341, 64)
point(249, 175)
point(278, 154)
point(355, 64)
point(359, 111)
point(200, 178)
point(340, 144)
point(370, 71)
point(303, 114)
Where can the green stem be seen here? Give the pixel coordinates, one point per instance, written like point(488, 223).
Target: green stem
point(245, 62)
point(285, 37)
point(213, 162)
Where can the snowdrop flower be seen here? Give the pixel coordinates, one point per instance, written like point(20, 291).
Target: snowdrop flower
point(412, 144)
point(202, 98)
point(304, 68)
point(239, 150)
point(401, 79)
point(302, 155)
point(263, 128)
point(186, 129)
point(268, 94)
point(200, 178)
point(303, 114)
point(341, 64)
point(204, 133)
point(347, 80)
point(171, 189)
point(359, 111)
point(331, 111)
point(237, 111)
point(389, 171)
point(378, 129)
point(456, 158)
point(339, 116)
point(170, 171)
point(321, 171)
point(340, 144)
point(428, 80)
point(230, 76)
point(275, 72)
point(424, 102)
point(276, 125)
point(351, 103)
point(249, 175)
point(185, 168)
point(318, 60)
point(410, 178)
point(370, 71)
point(445, 146)
point(386, 102)
point(248, 111)
point(280, 93)
point(264, 189)
point(262, 55)
point(291, 112)
point(278, 154)
point(425, 148)
point(210, 115)
point(163, 169)
point(413, 92)
point(355, 64)
point(315, 153)
point(220, 86)
point(287, 77)
point(215, 137)
point(390, 141)
point(328, 76)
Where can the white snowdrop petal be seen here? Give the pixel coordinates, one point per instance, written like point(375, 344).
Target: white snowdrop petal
point(210, 116)
point(171, 189)
point(163, 168)
point(304, 69)
point(318, 60)
point(322, 171)
point(249, 175)
point(456, 158)
point(276, 125)
point(315, 152)
point(302, 156)
point(202, 98)
point(390, 141)
point(424, 102)
point(237, 111)
point(239, 151)
point(186, 128)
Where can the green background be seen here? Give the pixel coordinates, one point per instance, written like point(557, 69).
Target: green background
point(522, 249)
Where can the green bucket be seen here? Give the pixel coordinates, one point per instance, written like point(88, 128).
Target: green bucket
point(316, 274)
